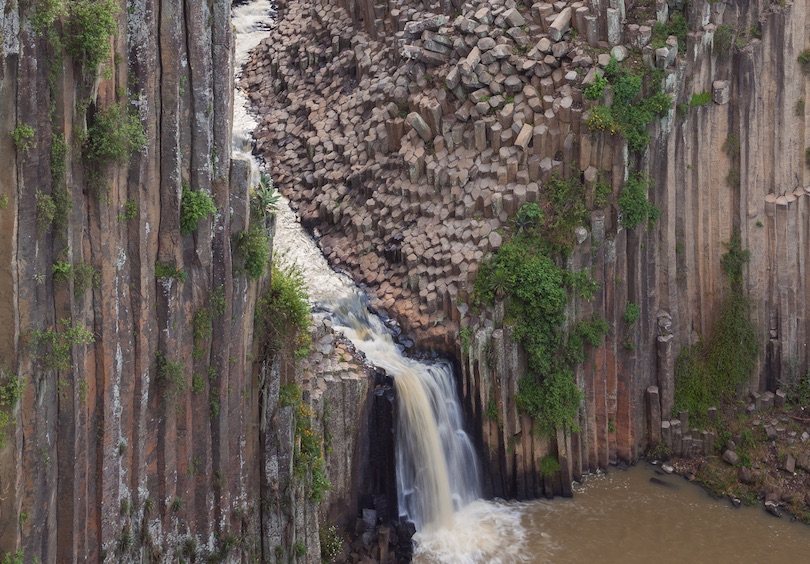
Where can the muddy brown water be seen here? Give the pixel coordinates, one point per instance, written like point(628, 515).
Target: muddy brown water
point(622, 517)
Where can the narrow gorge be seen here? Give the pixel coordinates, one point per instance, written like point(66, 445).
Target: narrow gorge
point(579, 233)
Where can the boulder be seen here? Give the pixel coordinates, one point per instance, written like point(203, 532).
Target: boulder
point(731, 457)
point(513, 18)
point(560, 25)
point(420, 126)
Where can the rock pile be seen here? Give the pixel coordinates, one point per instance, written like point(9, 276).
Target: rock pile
point(409, 153)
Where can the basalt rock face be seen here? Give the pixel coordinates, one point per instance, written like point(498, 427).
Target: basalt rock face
point(408, 137)
point(145, 430)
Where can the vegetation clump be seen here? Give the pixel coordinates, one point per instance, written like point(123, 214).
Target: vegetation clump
point(170, 375)
point(253, 245)
point(169, 271)
point(710, 371)
point(90, 25)
point(309, 444)
point(114, 136)
point(53, 348)
point(634, 204)
point(549, 465)
point(701, 99)
point(283, 313)
point(524, 271)
point(194, 206)
point(677, 26)
point(804, 60)
point(23, 136)
point(596, 89)
point(631, 111)
point(264, 198)
point(723, 39)
point(10, 393)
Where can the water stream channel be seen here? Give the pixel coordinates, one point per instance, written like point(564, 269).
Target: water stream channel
point(619, 517)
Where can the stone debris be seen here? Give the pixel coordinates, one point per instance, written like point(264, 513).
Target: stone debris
point(408, 138)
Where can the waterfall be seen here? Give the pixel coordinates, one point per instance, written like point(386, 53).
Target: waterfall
point(437, 469)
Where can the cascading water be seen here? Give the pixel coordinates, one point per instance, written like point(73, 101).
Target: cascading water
point(437, 468)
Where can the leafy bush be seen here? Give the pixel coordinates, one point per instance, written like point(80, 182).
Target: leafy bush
point(601, 119)
point(90, 25)
point(10, 394)
point(23, 136)
point(168, 271)
point(46, 210)
point(194, 206)
point(170, 375)
point(264, 198)
point(114, 136)
point(731, 146)
point(283, 312)
point(710, 371)
point(701, 99)
point(596, 89)
point(804, 60)
point(549, 465)
point(634, 203)
point(331, 543)
point(723, 39)
point(630, 113)
point(677, 26)
point(62, 271)
point(254, 247)
point(52, 349)
point(632, 313)
point(47, 12)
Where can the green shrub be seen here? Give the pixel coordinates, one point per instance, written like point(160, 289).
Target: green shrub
point(62, 271)
point(700, 99)
point(549, 465)
point(254, 248)
point(283, 312)
point(710, 371)
point(331, 543)
point(677, 26)
point(10, 394)
point(47, 12)
point(800, 107)
point(52, 349)
point(3, 201)
point(46, 210)
point(807, 156)
point(85, 276)
point(630, 113)
point(601, 119)
point(129, 212)
point(264, 198)
point(61, 198)
point(733, 178)
point(169, 271)
point(731, 146)
point(170, 376)
point(491, 412)
point(634, 204)
point(804, 60)
point(596, 89)
point(632, 313)
point(195, 205)
point(114, 136)
point(90, 25)
point(23, 136)
point(723, 39)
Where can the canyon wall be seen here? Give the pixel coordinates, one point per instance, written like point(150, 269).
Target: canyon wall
point(148, 427)
point(408, 134)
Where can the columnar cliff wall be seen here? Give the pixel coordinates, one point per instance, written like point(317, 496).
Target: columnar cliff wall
point(143, 431)
point(409, 134)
